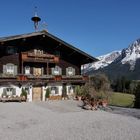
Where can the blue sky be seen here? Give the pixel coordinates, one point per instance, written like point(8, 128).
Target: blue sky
point(94, 26)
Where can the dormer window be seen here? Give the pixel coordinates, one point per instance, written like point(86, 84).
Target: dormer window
point(56, 70)
point(70, 71)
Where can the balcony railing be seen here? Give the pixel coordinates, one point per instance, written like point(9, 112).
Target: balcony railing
point(57, 78)
point(44, 79)
point(42, 57)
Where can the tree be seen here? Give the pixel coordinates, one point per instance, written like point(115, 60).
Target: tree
point(137, 96)
point(78, 91)
point(100, 82)
point(47, 95)
point(96, 92)
point(23, 93)
point(121, 85)
point(98, 87)
point(64, 92)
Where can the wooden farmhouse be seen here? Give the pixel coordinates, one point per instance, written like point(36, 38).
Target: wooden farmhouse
point(37, 61)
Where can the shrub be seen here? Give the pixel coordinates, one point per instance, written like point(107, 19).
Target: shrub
point(47, 95)
point(78, 91)
point(23, 93)
point(64, 92)
point(137, 97)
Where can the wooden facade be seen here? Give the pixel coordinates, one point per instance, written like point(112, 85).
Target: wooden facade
point(40, 59)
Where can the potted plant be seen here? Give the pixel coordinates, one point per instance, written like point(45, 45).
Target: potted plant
point(23, 94)
point(47, 95)
point(64, 93)
point(78, 92)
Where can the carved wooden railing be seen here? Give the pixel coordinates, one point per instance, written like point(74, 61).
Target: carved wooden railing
point(31, 56)
point(60, 78)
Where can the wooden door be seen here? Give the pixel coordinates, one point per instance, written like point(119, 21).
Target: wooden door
point(37, 94)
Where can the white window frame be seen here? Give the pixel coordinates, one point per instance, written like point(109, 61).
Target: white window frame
point(9, 91)
point(70, 71)
point(56, 70)
point(10, 69)
point(27, 70)
point(54, 90)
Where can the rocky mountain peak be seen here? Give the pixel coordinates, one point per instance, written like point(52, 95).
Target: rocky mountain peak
point(131, 54)
point(126, 56)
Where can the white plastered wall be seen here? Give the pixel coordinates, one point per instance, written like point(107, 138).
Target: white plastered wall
point(59, 86)
point(18, 89)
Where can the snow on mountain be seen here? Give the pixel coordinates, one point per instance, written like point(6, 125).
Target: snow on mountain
point(126, 56)
point(131, 54)
point(104, 61)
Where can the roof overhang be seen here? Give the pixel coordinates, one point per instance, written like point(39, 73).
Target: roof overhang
point(79, 55)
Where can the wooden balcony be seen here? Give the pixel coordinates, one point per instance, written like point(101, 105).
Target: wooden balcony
point(44, 79)
point(59, 78)
point(39, 57)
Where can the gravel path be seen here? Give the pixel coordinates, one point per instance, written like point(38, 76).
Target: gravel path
point(126, 111)
point(64, 120)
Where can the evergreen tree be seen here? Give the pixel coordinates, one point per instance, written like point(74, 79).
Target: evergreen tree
point(137, 96)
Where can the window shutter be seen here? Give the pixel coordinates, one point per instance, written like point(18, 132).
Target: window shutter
point(73, 71)
point(52, 71)
point(13, 91)
point(4, 69)
point(15, 70)
point(56, 91)
point(67, 71)
point(60, 71)
point(42, 71)
point(4, 91)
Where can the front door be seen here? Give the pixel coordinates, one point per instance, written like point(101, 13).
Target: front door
point(37, 94)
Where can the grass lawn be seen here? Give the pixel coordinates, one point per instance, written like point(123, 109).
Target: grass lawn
point(121, 99)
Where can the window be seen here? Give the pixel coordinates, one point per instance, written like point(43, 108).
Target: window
point(9, 91)
point(56, 71)
point(54, 90)
point(70, 71)
point(27, 90)
point(10, 69)
point(27, 70)
point(11, 50)
point(71, 89)
point(57, 53)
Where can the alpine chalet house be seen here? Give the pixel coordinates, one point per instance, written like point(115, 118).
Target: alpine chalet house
point(37, 61)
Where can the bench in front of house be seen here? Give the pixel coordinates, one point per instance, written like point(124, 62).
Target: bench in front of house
point(13, 99)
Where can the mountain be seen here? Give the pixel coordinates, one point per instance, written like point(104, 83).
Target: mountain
point(104, 61)
point(118, 63)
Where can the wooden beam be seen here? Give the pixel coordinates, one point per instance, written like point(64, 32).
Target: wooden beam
point(72, 53)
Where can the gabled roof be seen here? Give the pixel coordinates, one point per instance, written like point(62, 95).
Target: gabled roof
point(86, 58)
